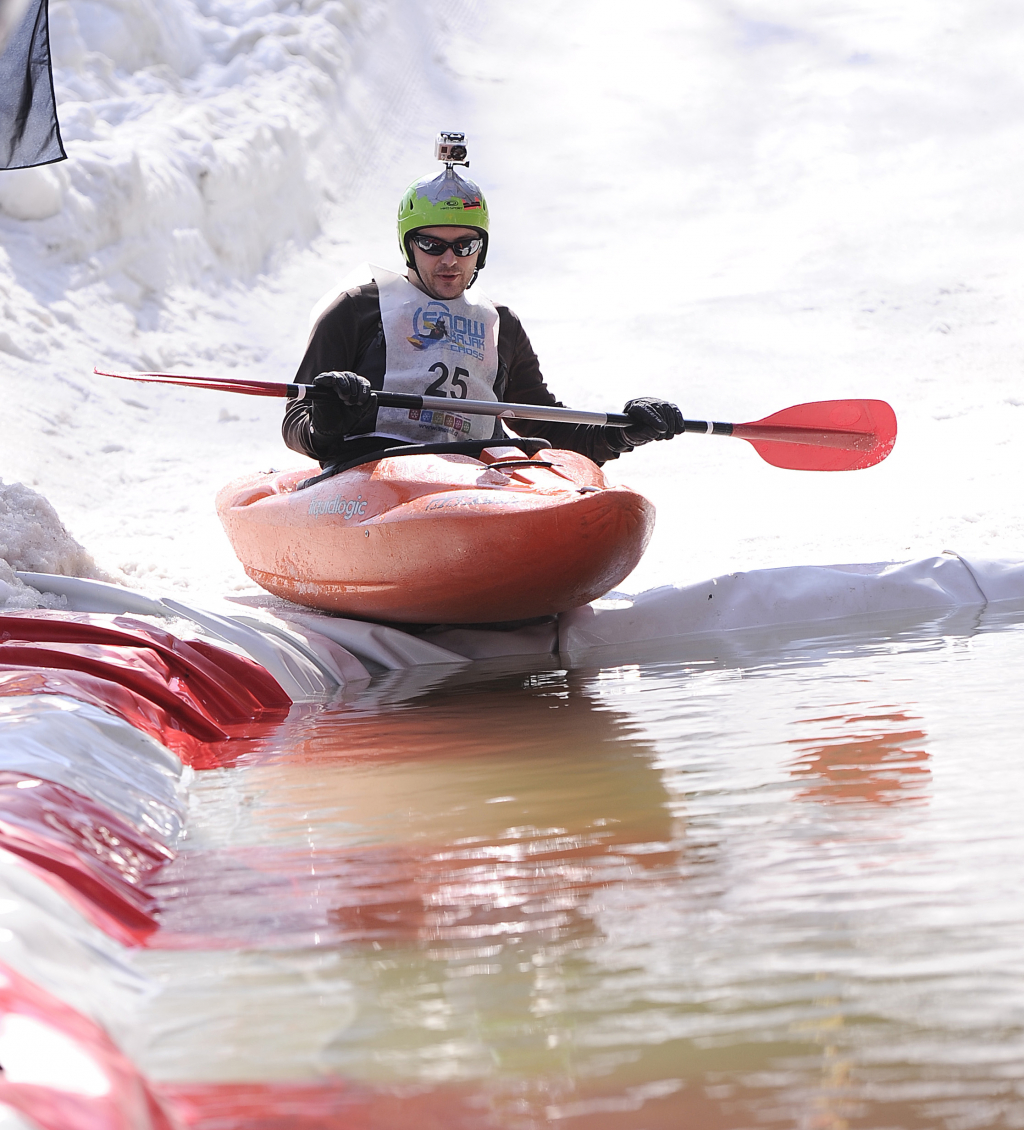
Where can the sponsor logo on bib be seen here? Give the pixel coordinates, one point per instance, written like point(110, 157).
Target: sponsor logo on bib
point(446, 421)
point(435, 323)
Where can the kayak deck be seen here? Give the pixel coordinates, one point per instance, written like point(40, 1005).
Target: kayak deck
point(440, 538)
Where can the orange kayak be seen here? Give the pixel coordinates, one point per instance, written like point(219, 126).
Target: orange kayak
point(440, 538)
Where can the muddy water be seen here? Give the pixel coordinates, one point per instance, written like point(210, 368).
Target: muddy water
point(753, 882)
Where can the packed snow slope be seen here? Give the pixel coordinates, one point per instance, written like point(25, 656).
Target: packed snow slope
point(740, 206)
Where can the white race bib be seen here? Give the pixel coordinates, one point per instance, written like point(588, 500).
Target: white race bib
point(436, 348)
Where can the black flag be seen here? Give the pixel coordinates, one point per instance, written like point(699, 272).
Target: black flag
point(29, 133)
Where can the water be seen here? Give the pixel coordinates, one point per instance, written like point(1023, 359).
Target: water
point(759, 882)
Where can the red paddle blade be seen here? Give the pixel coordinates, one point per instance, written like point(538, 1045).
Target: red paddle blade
point(826, 435)
point(250, 388)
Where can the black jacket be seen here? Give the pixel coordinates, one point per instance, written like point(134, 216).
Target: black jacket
point(349, 336)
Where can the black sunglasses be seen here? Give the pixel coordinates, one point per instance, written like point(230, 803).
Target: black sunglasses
point(431, 245)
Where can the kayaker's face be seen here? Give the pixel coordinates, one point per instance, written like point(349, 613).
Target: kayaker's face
point(447, 275)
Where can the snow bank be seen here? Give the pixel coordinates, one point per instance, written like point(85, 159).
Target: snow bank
point(201, 135)
point(32, 538)
point(204, 138)
point(209, 142)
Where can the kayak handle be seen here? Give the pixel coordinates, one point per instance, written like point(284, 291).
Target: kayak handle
point(454, 447)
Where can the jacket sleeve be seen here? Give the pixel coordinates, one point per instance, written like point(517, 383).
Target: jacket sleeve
point(524, 384)
point(343, 340)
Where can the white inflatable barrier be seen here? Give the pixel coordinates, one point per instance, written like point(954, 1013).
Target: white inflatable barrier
point(46, 939)
point(307, 652)
point(98, 755)
point(84, 595)
point(311, 653)
point(488, 643)
point(389, 648)
point(11, 1119)
point(340, 666)
point(300, 675)
point(300, 669)
point(998, 580)
point(764, 598)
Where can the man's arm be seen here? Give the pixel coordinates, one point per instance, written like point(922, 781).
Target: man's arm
point(524, 384)
point(348, 337)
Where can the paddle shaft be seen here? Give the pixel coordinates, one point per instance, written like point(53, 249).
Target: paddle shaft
point(817, 437)
point(836, 438)
point(479, 407)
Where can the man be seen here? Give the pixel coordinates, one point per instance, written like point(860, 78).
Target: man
point(424, 334)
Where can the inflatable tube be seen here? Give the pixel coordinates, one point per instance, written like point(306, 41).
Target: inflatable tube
point(102, 858)
point(94, 753)
point(230, 687)
point(170, 727)
point(138, 669)
point(62, 1071)
point(768, 598)
point(286, 657)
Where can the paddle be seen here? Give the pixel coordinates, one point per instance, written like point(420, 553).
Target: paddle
point(826, 435)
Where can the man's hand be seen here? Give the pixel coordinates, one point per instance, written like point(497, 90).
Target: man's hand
point(338, 414)
point(654, 419)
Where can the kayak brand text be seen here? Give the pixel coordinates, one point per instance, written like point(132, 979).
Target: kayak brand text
point(346, 507)
point(435, 323)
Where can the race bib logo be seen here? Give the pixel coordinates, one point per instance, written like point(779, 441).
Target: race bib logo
point(435, 323)
point(441, 421)
point(430, 325)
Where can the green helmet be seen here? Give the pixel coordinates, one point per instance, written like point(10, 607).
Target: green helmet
point(445, 199)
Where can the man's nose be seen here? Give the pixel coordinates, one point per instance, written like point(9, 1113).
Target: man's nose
point(448, 258)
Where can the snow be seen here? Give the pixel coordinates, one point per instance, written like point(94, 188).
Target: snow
point(33, 539)
point(737, 206)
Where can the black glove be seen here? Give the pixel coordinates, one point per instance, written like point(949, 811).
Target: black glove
point(335, 415)
point(654, 419)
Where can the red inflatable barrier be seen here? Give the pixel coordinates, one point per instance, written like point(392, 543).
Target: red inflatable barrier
point(62, 1071)
point(333, 1105)
point(231, 688)
point(138, 669)
point(179, 727)
point(101, 861)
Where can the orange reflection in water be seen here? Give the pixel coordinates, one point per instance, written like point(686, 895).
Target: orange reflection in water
point(480, 818)
point(863, 758)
